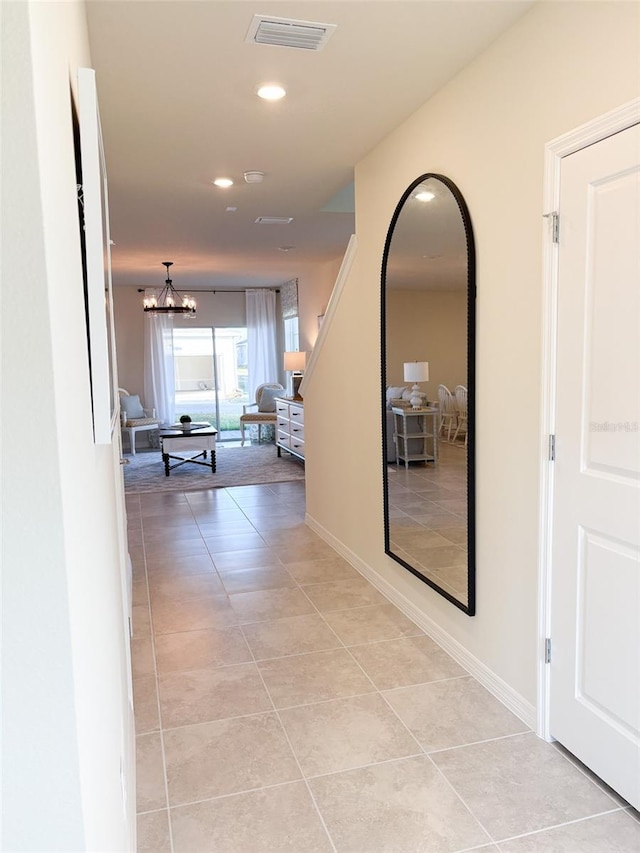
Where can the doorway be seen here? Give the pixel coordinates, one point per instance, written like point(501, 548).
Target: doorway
point(210, 365)
point(590, 580)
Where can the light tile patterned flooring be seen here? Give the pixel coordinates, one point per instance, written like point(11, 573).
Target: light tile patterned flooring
point(428, 517)
point(282, 704)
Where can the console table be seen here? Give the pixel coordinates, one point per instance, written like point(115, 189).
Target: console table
point(416, 434)
point(177, 440)
point(290, 426)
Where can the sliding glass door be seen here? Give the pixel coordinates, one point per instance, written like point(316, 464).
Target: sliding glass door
point(211, 376)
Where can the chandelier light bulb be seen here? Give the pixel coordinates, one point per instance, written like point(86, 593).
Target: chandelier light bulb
point(168, 301)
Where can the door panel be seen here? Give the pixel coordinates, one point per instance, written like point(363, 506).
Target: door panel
point(595, 586)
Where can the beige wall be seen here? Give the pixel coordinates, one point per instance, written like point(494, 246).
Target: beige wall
point(560, 66)
point(427, 326)
point(315, 284)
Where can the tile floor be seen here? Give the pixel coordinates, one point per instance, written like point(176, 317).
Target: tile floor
point(428, 517)
point(282, 704)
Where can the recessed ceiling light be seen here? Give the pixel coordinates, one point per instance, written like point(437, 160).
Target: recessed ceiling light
point(285, 248)
point(223, 182)
point(231, 209)
point(271, 92)
point(254, 177)
point(424, 195)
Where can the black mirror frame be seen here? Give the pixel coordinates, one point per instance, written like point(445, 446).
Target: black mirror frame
point(470, 607)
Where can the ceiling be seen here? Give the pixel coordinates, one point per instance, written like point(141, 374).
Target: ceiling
point(176, 86)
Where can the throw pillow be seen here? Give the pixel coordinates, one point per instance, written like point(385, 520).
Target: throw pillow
point(268, 399)
point(132, 406)
point(394, 393)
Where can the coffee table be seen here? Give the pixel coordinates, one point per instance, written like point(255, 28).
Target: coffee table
point(176, 440)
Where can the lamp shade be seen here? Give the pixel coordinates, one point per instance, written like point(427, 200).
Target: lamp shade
point(416, 371)
point(295, 360)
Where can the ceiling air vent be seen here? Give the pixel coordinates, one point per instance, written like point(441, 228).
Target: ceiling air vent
point(274, 220)
point(285, 32)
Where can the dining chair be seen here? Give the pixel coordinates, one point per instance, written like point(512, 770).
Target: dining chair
point(460, 394)
point(448, 413)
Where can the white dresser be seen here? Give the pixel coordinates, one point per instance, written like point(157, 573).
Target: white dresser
point(290, 426)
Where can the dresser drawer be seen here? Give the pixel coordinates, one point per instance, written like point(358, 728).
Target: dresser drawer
point(297, 446)
point(282, 424)
point(284, 438)
point(296, 430)
point(296, 413)
point(282, 410)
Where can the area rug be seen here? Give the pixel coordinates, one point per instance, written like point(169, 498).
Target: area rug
point(235, 466)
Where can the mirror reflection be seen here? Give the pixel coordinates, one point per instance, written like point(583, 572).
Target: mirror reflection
point(428, 329)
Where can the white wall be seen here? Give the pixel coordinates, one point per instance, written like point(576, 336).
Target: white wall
point(559, 66)
point(66, 716)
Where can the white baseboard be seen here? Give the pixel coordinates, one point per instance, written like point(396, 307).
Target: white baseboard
point(509, 697)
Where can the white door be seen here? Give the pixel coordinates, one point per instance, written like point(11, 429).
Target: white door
point(595, 574)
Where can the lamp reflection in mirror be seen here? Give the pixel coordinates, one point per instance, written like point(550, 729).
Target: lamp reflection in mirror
point(295, 362)
point(416, 371)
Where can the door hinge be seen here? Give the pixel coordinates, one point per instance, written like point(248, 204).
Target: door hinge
point(554, 216)
point(552, 448)
point(547, 650)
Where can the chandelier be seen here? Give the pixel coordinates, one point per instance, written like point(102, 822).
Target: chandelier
point(168, 301)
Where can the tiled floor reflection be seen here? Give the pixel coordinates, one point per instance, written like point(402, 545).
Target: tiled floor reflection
point(428, 517)
point(283, 704)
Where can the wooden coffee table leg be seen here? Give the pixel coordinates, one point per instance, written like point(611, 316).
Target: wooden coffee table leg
point(165, 459)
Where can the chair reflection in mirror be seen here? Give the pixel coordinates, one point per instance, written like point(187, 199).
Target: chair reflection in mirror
point(448, 411)
point(460, 394)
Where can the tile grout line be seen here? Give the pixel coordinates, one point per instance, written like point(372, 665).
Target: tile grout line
point(158, 704)
point(616, 807)
point(293, 752)
point(422, 751)
point(551, 827)
point(160, 718)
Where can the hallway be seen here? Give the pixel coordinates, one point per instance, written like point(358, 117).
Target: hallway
point(283, 704)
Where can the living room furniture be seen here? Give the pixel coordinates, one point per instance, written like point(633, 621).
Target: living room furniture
point(290, 426)
point(416, 434)
point(448, 410)
point(135, 418)
point(460, 393)
point(265, 408)
point(176, 441)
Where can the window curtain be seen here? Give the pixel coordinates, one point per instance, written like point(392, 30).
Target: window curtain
point(159, 376)
point(262, 355)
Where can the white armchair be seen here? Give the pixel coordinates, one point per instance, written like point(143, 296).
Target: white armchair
point(265, 409)
point(134, 417)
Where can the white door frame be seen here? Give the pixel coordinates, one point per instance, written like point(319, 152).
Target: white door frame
point(612, 122)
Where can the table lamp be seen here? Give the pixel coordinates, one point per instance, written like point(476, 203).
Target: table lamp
point(416, 371)
point(295, 362)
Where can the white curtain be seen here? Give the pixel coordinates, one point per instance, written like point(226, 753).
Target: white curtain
point(159, 377)
point(262, 354)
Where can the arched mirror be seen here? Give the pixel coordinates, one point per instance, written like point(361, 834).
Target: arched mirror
point(428, 389)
